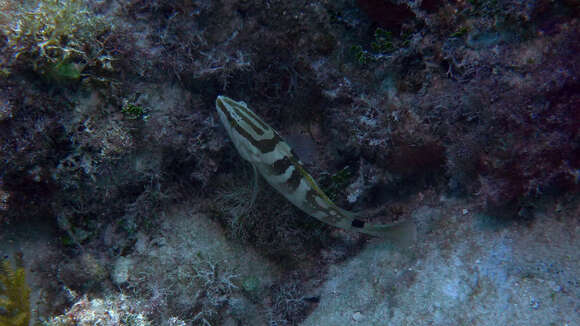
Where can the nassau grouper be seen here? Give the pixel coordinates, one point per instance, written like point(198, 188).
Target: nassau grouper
point(272, 157)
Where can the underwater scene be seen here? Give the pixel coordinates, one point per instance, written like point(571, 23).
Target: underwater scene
point(289, 162)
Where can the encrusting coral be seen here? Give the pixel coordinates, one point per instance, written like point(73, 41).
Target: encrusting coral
point(14, 295)
point(57, 38)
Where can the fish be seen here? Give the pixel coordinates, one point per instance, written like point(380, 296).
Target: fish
point(273, 159)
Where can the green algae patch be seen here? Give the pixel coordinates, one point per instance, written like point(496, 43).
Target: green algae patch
point(14, 296)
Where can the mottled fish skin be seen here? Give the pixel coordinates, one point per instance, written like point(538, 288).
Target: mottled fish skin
point(266, 150)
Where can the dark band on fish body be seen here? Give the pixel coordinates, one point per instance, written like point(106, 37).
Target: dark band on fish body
point(264, 145)
point(294, 180)
point(225, 112)
point(259, 131)
point(281, 166)
point(250, 113)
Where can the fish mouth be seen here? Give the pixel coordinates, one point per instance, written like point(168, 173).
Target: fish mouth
point(219, 104)
point(219, 100)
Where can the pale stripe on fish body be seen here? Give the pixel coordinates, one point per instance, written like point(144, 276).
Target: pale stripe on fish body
point(273, 158)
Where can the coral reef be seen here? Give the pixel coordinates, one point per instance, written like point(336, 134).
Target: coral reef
point(190, 270)
point(59, 39)
point(111, 311)
point(459, 115)
point(14, 295)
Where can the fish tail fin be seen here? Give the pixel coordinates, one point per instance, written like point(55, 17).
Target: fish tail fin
point(401, 234)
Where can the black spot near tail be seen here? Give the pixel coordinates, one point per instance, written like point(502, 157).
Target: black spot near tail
point(357, 223)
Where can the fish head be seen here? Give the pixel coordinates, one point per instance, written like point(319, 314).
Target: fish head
point(252, 137)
